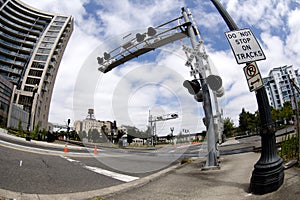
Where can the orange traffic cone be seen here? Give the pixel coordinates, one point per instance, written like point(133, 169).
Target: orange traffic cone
point(66, 148)
point(95, 150)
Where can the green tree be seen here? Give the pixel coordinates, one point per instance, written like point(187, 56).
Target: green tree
point(104, 130)
point(35, 132)
point(286, 113)
point(133, 131)
point(95, 135)
point(3, 122)
point(120, 134)
point(275, 114)
point(248, 122)
point(243, 121)
point(20, 128)
point(129, 138)
point(82, 134)
point(228, 126)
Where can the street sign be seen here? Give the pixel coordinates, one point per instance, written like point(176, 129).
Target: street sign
point(244, 45)
point(253, 77)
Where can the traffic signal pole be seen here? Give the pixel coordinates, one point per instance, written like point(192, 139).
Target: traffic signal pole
point(268, 174)
point(207, 106)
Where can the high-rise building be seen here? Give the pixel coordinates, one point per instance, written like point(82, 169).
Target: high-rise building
point(278, 86)
point(32, 46)
point(6, 90)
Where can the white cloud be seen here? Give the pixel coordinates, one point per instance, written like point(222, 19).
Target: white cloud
point(293, 40)
point(127, 16)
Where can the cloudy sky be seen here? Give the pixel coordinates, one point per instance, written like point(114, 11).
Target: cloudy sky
point(154, 80)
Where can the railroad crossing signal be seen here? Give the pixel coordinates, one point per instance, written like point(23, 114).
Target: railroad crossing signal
point(253, 76)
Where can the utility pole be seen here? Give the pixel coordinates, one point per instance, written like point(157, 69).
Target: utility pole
point(268, 174)
point(211, 140)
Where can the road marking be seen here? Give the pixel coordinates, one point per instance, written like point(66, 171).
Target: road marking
point(114, 175)
point(121, 177)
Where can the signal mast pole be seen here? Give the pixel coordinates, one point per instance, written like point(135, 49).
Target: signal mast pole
point(207, 106)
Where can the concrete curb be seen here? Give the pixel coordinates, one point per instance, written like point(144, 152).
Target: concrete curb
point(104, 192)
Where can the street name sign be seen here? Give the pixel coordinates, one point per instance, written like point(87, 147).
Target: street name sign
point(244, 45)
point(253, 77)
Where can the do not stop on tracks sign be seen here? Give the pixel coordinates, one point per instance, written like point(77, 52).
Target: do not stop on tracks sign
point(244, 45)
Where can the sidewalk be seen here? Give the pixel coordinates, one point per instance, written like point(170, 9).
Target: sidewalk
point(230, 182)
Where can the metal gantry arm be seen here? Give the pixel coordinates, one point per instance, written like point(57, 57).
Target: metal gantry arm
point(153, 120)
point(141, 44)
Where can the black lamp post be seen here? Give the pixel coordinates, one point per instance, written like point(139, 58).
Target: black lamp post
point(34, 90)
point(268, 174)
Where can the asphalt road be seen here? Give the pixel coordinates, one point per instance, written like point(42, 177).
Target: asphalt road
point(44, 171)
point(28, 172)
point(48, 170)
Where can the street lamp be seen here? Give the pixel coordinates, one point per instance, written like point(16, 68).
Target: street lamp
point(34, 90)
point(268, 174)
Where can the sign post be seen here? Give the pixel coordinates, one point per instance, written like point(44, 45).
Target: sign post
point(268, 174)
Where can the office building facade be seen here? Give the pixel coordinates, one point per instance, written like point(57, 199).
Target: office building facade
point(32, 46)
point(6, 91)
point(278, 86)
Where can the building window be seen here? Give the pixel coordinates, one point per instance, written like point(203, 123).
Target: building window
point(37, 73)
point(49, 39)
point(38, 65)
point(46, 44)
point(41, 57)
point(43, 51)
point(58, 23)
point(52, 33)
point(4, 106)
point(60, 18)
point(33, 81)
point(55, 28)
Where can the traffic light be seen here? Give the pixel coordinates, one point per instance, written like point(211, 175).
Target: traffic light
point(214, 82)
point(140, 37)
point(174, 115)
point(151, 31)
point(199, 96)
point(193, 86)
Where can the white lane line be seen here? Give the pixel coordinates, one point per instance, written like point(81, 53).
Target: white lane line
point(70, 160)
point(114, 175)
point(121, 177)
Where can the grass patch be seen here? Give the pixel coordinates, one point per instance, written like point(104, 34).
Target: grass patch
point(289, 148)
point(186, 160)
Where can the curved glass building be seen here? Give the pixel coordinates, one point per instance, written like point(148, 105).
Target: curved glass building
point(32, 46)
